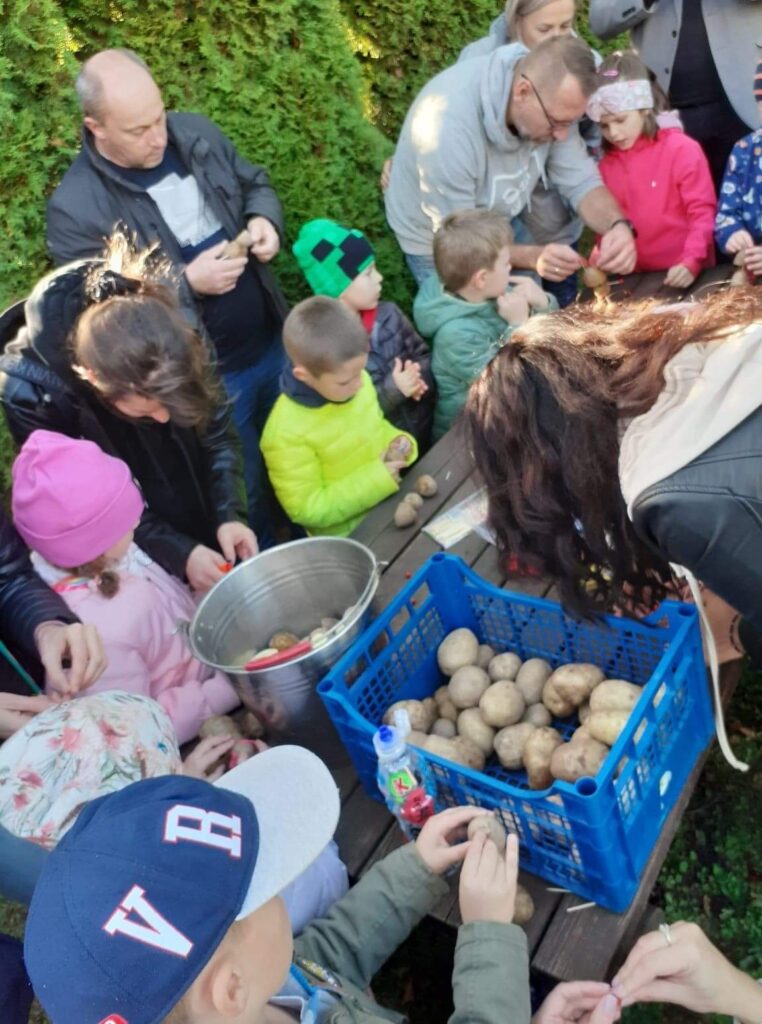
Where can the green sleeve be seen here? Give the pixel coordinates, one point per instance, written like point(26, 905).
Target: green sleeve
point(365, 927)
point(462, 348)
point(490, 980)
point(296, 475)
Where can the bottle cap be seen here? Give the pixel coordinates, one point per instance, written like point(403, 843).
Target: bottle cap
point(388, 743)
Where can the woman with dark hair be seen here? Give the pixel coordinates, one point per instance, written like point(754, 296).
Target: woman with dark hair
point(103, 353)
point(618, 442)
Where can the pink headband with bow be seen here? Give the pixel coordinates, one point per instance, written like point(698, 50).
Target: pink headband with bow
point(620, 96)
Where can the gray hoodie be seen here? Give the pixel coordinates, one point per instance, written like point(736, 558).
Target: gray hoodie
point(456, 152)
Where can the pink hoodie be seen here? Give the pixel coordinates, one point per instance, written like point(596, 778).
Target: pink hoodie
point(664, 187)
point(146, 652)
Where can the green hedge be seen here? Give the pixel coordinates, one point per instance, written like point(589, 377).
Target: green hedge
point(316, 90)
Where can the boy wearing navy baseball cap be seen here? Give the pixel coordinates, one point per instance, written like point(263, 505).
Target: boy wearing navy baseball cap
point(161, 905)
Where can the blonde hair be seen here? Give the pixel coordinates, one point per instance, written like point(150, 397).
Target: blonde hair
point(468, 241)
point(517, 10)
point(321, 334)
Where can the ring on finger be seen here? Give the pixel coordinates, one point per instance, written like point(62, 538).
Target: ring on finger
point(666, 931)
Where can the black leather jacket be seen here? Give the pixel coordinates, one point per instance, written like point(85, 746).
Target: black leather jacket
point(191, 483)
point(25, 602)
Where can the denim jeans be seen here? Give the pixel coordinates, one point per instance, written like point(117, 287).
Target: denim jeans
point(253, 392)
point(420, 267)
point(20, 865)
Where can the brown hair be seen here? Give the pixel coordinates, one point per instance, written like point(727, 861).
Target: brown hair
point(106, 580)
point(543, 422)
point(321, 334)
point(516, 10)
point(548, 64)
point(630, 68)
point(140, 344)
point(468, 241)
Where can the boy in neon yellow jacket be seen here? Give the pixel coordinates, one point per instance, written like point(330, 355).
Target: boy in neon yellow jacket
point(325, 440)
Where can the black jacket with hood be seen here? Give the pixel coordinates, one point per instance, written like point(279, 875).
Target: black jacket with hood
point(191, 482)
point(92, 200)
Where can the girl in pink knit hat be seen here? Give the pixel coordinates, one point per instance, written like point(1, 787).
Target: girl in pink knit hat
point(77, 508)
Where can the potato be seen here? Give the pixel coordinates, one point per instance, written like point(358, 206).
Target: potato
point(531, 678)
point(605, 726)
point(458, 648)
point(426, 485)
point(485, 656)
point(444, 727)
point(469, 754)
point(583, 712)
point(416, 738)
point(580, 735)
point(467, 684)
point(421, 718)
point(569, 686)
point(504, 666)
point(440, 746)
point(218, 725)
point(593, 277)
point(523, 908)
point(537, 714)
point(472, 725)
point(441, 694)
point(572, 761)
point(446, 707)
point(414, 499)
point(537, 752)
point(433, 708)
point(283, 640)
point(502, 704)
point(490, 824)
point(509, 744)
point(615, 695)
point(404, 515)
point(249, 724)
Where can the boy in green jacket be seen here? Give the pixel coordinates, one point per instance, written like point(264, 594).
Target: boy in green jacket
point(326, 442)
point(470, 307)
point(161, 906)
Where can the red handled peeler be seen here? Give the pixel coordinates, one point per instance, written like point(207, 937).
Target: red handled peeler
point(277, 659)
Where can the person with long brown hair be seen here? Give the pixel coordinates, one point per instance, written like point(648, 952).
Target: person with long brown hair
point(618, 442)
point(102, 352)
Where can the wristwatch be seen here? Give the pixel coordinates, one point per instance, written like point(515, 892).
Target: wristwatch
point(630, 225)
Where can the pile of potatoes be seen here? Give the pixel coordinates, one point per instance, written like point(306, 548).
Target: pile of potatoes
point(495, 704)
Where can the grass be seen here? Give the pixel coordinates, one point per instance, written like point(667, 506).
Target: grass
point(713, 875)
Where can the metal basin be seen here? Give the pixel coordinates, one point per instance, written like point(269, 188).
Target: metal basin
point(290, 587)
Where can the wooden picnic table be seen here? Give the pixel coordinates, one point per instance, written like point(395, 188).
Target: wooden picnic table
point(589, 944)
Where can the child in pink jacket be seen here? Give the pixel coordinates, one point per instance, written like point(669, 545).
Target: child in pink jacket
point(659, 176)
point(76, 508)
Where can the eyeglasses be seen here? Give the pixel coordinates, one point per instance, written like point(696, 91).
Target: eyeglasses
point(555, 126)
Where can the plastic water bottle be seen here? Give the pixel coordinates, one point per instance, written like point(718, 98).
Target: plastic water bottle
point(397, 777)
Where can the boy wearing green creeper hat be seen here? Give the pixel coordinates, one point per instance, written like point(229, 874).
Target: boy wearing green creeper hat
point(340, 263)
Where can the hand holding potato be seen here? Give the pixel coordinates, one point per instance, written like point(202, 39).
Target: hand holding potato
point(433, 845)
point(488, 880)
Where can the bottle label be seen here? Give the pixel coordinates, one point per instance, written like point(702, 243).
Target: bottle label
point(400, 783)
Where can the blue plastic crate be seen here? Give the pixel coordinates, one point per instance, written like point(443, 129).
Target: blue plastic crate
point(594, 836)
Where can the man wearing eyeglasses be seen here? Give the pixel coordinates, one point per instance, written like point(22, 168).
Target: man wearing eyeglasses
point(483, 133)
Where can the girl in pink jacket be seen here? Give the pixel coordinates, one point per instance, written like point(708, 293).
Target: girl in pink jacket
point(658, 175)
point(76, 508)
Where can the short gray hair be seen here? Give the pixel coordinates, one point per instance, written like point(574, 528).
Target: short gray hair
point(89, 84)
point(550, 62)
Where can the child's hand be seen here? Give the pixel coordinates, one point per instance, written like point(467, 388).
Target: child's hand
point(395, 467)
point(16, 711)
point(199, 763)
point(488, 880)
point(753, 260)
point(407, 377)
point(679, 277)
point(513, 307)
point(531, 291)
point(739, 240)
point(433, 844)
point(579, 1002)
